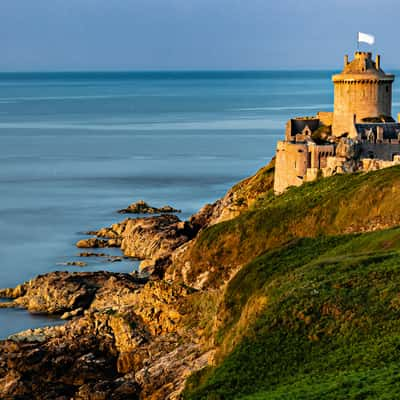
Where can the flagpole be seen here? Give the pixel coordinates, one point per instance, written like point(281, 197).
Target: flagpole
point(358, 42)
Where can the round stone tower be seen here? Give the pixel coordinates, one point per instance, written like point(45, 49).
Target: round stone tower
point(361, 90)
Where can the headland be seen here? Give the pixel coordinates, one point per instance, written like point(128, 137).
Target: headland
point(271, 291)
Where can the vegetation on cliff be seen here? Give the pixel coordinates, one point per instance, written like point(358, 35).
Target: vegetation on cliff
point(318, 318)
point(266, 297)
point(238, 199)
point(314, 312)
point(331, 206)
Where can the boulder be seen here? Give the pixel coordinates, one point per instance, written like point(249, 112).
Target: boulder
point(141, 207)
point(60, 292)
point(149, 238)
point(94, 243)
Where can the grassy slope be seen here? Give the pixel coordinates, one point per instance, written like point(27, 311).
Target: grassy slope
point(345, 203)
point(249, 189)
point(315, 317)
point(329, 327)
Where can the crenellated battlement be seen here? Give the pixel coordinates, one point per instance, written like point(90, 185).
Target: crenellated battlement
point(361, 90)
point(359, 129)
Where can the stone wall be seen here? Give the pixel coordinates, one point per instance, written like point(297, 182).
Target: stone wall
point(361, 90)
point(326, 117)
point(290, 165)
point(373, 165)
point(297, 163)
point(319, 154)
point(359, 98)
point(381, 151)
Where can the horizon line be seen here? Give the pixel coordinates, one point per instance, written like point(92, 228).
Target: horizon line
point(177, 70)
point(189, 70)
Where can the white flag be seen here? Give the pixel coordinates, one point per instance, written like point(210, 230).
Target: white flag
point(366, 38)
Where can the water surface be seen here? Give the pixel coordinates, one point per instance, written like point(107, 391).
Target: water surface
point(75, 147)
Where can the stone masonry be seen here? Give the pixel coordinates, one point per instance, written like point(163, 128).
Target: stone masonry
point(359, 135)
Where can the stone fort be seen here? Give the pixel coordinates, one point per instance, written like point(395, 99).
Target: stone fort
point(359, 135)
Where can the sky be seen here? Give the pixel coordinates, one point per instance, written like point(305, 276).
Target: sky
point(54, 35)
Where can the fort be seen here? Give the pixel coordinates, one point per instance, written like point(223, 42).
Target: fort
point(359, 135)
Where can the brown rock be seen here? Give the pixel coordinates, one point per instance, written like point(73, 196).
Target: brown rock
point(91, 243)
point(151, 238)
point(130, 333)
point(141, 207)
point(60, 292)
point(71, 314)
point(154, 237)
point(74, 264)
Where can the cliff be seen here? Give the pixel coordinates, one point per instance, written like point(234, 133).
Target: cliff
point(315, 319)
point(339, 204)
point(256, 296)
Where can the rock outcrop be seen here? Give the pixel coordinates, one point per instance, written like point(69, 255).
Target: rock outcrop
point(151, 239)
point(141, 207)
point(58, 292)
point(73, 264)
point(129, 340)
point(237, 200)
point(94, 243)
point(126, 336)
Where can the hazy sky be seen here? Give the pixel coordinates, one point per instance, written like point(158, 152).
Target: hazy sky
point(191, 34)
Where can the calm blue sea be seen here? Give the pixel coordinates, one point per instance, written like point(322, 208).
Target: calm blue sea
point(75, 147)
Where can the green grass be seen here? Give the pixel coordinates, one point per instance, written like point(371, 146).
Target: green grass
point(381, 383)
point(331, 206)
point(328, 326)
point(257, 184)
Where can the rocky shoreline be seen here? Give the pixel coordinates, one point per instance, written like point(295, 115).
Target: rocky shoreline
point(149, 239)
point(127, 335)
point(120, 326)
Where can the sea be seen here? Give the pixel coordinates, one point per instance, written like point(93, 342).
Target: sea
point(76, 147)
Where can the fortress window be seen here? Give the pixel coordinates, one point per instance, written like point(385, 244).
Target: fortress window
point(387, 89)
